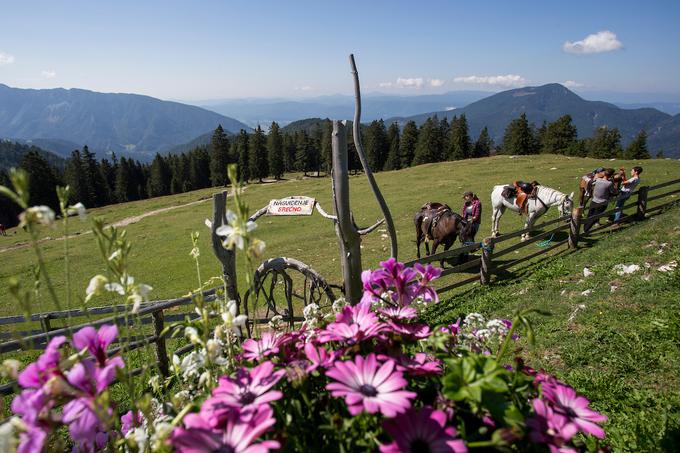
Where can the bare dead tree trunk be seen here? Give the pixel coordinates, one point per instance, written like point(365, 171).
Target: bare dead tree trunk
point(225, 256)
point(364, 163)
point(349, 239)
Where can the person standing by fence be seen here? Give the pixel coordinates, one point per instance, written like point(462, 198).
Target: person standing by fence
point(626, 190)
point(603, 191)
point(472, 214)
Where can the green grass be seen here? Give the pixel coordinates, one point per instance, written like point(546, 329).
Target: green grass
point(161, 243)
point(620, 348)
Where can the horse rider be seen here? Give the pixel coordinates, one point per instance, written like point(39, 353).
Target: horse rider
point(472, 214)
point(603, 191)
point(626, 190)
point(590, 177)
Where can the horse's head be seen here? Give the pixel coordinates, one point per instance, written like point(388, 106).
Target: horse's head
point(567, 205)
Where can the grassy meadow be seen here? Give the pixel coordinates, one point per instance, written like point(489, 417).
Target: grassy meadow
point(161, 243)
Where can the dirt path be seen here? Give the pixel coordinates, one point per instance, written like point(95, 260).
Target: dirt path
point(120, 223)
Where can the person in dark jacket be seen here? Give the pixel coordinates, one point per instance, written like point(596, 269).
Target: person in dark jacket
point(472, 213)
point(603, 191)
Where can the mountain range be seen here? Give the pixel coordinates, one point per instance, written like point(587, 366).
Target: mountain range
point(549, 102)
point(61, 120)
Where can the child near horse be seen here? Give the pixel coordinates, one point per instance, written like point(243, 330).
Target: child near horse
point(603, 189)
point(626, 190)
point(472, 213)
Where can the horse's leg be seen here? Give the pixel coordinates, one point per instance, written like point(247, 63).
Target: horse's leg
point(495, 219)
point(447, 245)
point(419, 239)
point(527, 226)
point(427, 247)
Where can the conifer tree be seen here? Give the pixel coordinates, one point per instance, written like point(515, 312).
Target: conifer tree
point(42, 180)
point(99, 193)
point(445, 134)
point(559, 136)
point(219, 157)
point(243, 160)
point(637, 149)
point(327, 146)
point(289, 152)
point(199, 169)
point(393, 161)
point(77, 179)
point(275, 151)
point(302, 154)
point(159, 177)
point(376, 145)
point(9, 211)
point(257, 154)
point(483, 145)
point(460, 139)
point(123, 181)
point(407, 144)
point(604, 144)
point(428, 148)
point(519, 137)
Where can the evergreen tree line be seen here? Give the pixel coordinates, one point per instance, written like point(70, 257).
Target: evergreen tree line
point(263, 155)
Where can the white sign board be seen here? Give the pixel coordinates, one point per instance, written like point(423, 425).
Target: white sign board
point(291, 206)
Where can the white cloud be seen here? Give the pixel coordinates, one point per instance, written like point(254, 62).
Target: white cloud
point(6, 58)
point(414, 82)
point(602, 41)
point(49, 74)
point(436, 82)
point(385, 84)
point(507, 80)
point(304, 88)
point(571, 84)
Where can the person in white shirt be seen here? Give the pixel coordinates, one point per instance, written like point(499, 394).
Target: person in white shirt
point(627, 188)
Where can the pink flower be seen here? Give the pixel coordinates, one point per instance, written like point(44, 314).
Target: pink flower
point(566, 402)
point(548, 427)
point(367, 386)
point(130, 421)
point(399, 313)
point(319, 357)
point(392, 278)
point(424, 289)
point(352, 325)
point(96, 342)
point(47, 366)
point(249, 387)
point(420, 364)
point(236, 433)
point(414, 331)
point(258, 350)
point(420, 431)
point(452, 329)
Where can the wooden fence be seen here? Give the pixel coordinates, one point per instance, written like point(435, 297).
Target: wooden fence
point(160, 312)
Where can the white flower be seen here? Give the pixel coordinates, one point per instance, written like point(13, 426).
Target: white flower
point(96, 286)
point(9, 434)
point(192, 335)
point(195, 253)
point(235, 232)
point(276, 323)
point(37, 214)
point(79, 209)
point(257, 248)
point(497, 327)
point(114, 255)
point(115, 288)
point(231, 320)
point(310, 311)
point(10, 369)
point(339, 305)
point(474, 321)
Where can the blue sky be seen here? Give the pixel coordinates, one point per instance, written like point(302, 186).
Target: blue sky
point(228, 49)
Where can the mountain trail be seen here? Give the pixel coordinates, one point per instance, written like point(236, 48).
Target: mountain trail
point(118, 224)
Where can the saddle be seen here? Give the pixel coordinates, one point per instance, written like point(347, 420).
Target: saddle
point(430, 222)
point(522, 191)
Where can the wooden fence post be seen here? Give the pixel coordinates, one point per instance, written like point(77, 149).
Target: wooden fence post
point(348, 235)
point(225, 256)
point(485, 264)
point(161, 352)
point(575, 227)
point(642, 203)
point(45, 323)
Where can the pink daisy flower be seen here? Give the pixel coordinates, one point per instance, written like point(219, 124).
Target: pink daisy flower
point(352, 325)
point(368, 386)
point(420, 364)
point(565, 401)
point(236, 433)
point(548, 427)
point(399, 313)
point(319, 357)
point(250, 387)
point(414, 331)
point(257, 350)
point(420, 431)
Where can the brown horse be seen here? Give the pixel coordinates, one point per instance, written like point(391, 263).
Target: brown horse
point(438, 223)
point(584, 196)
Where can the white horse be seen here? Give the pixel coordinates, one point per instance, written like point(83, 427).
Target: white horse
point(545, 198)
